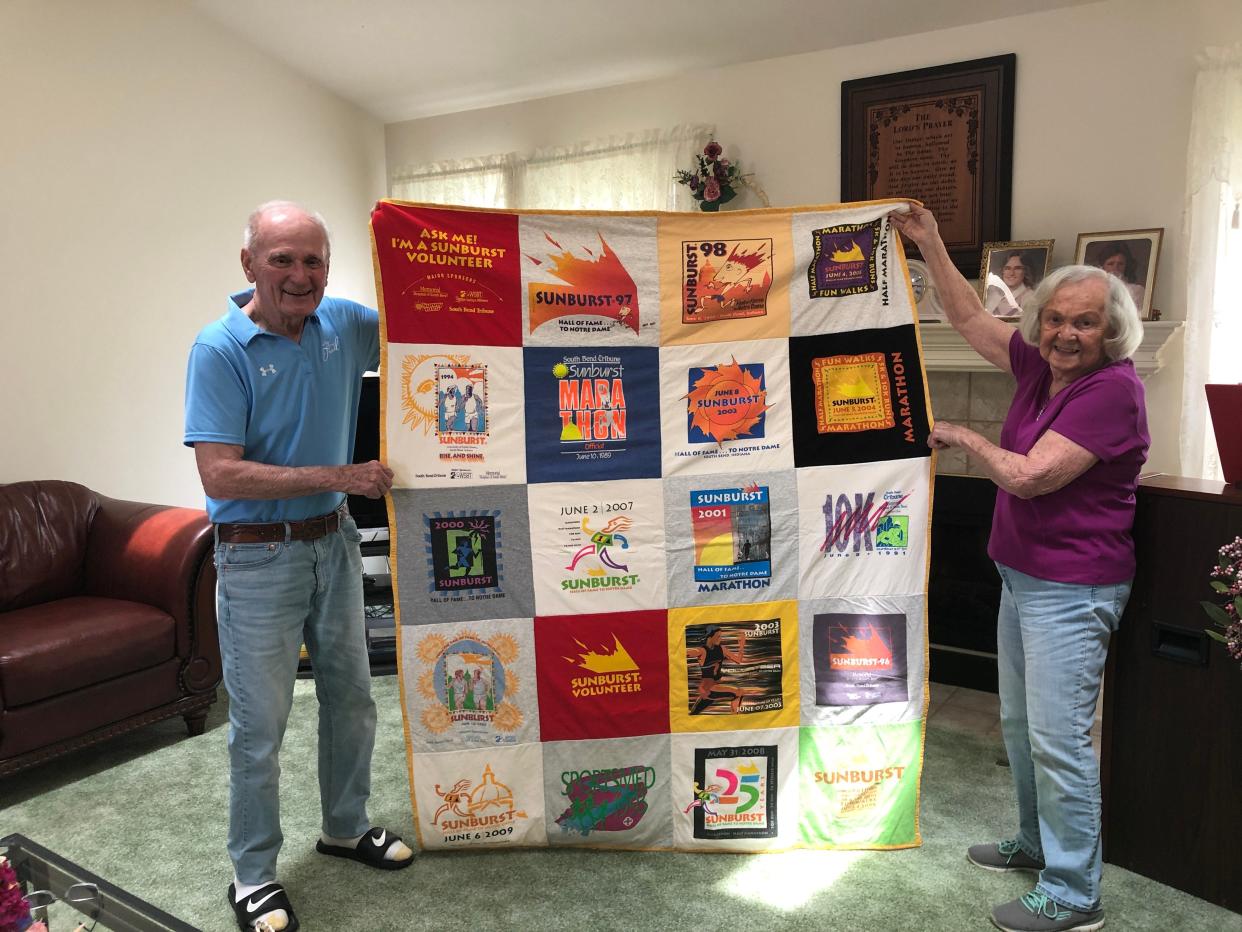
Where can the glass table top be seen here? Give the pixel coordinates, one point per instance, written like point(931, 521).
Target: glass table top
point(69, 898)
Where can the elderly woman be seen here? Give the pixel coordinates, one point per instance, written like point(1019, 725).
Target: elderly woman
point(1017, 277)
point(1067, 468)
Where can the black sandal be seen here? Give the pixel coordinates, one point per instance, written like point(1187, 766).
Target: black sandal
point(267, 899)
point(369, 850)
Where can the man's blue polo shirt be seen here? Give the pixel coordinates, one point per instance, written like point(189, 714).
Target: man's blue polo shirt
point(284, 403)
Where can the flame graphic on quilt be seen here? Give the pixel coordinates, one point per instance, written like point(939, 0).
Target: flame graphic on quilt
point(598, 286)
point(869, 651)
point(597, 662)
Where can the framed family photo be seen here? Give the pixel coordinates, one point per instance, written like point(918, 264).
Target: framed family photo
point(1009, 272)
point(1131, 255)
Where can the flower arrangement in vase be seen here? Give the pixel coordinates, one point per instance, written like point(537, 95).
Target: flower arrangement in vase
point(716, 180)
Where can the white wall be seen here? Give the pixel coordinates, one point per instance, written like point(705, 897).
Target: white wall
point(1101, 127)
point(136, 137)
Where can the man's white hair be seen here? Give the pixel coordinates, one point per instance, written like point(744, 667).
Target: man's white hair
point(251, 234)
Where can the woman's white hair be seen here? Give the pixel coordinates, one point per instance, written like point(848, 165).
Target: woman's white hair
point(251, 233)
point(1125, 329)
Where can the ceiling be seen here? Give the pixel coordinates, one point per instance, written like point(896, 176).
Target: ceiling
point(404, 59)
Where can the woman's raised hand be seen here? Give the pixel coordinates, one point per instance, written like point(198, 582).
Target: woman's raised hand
point(917, 224)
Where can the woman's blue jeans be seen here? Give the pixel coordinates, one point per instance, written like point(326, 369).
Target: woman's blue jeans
point(1052, 643)
point(272, 598)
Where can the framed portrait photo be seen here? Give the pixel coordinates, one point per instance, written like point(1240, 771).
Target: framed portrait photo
point(1009, 272)
point(1131, 255)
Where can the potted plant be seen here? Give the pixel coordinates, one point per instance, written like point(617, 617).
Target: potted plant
point(1227, 580)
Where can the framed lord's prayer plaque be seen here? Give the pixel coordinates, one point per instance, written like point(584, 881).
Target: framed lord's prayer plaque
point(941, 135)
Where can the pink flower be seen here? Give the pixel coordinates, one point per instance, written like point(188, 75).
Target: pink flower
point(711, 190)
point(14, 910)
point(712, 150)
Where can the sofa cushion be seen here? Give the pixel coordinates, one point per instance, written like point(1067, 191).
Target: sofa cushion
point(61, 646)
point(65, 718)
point(43, 532)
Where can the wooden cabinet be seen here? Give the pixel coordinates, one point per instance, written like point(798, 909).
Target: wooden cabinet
point(1172, 735)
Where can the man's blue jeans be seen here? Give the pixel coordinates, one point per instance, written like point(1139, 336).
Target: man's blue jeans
point(1052, 642)
point(272, 598)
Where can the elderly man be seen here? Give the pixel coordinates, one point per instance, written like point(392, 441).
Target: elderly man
point(271, 405)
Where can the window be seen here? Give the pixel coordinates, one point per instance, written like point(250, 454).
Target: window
point(1213, 280)
point(633, 172)
point(485, 182)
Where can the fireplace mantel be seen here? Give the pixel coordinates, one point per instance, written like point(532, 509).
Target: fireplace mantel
point(945, 351)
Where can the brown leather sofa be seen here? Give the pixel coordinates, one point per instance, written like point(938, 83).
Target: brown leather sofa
point(107, 619)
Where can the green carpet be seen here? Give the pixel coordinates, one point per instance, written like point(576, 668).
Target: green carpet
point(148, 811)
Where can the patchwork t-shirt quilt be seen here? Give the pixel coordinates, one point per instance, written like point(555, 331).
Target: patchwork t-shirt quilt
point(660, 525)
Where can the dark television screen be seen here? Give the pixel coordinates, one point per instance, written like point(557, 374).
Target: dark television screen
point(368, 512)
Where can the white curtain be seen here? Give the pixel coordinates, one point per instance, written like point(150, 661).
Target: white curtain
point(633, 172)
point(1214, 271)
point(491, 181)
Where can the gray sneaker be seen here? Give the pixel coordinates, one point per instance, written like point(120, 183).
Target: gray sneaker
point(1036, 913)
point(1002, 856)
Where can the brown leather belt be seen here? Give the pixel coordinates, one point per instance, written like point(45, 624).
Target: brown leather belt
point(310, 529)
